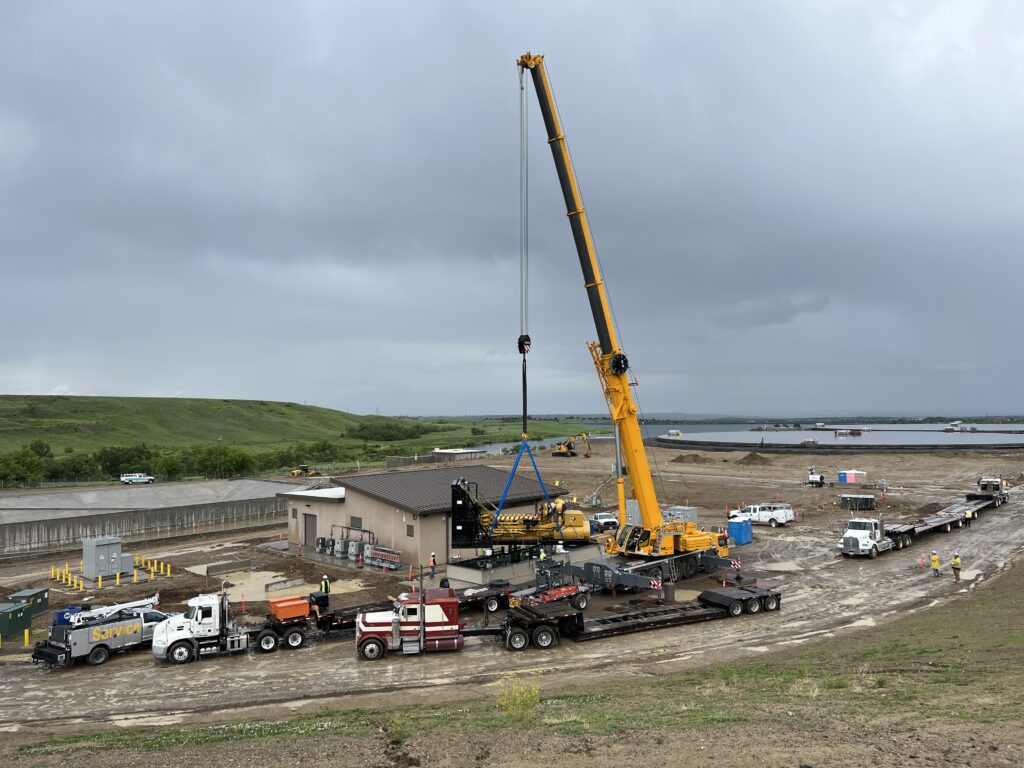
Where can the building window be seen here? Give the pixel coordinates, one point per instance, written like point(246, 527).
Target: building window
point(356, 523)
point(295, 514)
point(410, 531)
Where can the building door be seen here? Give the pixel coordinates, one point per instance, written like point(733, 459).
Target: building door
point(308, 530)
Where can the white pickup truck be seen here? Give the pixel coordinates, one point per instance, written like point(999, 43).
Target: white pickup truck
point(770, 513)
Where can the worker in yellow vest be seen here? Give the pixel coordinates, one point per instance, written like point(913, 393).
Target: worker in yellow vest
point(935, 563)
point(968, 516)
point(955, 565)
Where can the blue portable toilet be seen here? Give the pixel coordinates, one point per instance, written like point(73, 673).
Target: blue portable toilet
point(741, 531)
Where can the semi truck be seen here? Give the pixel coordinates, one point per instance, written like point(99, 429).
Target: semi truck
point(430, 621)
point(991, 489)
point(870, 536)
point(95, 634)
point(207, 629)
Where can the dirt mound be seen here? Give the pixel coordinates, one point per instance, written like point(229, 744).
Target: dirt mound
point(692, 458)
point(754, 459)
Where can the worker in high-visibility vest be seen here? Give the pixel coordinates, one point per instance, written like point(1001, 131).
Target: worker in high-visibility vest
point(968, 516)
point(955, 564)
point(935, 563)
point(325, 585)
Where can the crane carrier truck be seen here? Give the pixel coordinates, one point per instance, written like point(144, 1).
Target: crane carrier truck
point(647, 545)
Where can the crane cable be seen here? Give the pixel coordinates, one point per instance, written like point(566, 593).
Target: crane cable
point(524, 234)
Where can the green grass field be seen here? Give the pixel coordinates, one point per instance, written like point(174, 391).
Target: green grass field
point(90, 423)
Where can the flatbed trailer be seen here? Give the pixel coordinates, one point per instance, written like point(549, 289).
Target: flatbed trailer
point(870, 536)
point(543, 625)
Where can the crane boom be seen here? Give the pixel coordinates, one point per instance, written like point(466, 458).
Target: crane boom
point(611, 364)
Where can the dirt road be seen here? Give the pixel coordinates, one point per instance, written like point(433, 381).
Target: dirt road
point(824, 596)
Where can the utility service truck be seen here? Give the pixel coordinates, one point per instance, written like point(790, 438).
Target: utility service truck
point(814, 478)
point(206, 628)
point(95, 634)
point(768, 513)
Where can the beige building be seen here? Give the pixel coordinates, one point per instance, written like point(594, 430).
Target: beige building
point(406, 510)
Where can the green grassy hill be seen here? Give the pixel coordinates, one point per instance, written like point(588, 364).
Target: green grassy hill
point(90, 423)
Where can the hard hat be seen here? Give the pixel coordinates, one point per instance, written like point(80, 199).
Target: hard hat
point(325, 575)
point(433, 553)
point(934, 552)
point(956, 554)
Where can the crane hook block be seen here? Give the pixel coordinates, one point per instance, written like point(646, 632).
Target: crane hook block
point(524, 344)
point(619, 364)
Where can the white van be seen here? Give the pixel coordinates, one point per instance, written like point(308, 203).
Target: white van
point(131, 478)
point(772, 513)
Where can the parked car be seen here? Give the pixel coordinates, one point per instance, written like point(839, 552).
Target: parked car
point(604, 521)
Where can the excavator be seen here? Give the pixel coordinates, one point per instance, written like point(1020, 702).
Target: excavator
point(304, 470)
point(647, 543)
point(568, 446)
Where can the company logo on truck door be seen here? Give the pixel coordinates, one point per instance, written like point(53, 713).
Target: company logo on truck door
point(109, 633)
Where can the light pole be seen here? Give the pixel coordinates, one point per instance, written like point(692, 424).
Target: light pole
point(220, 439)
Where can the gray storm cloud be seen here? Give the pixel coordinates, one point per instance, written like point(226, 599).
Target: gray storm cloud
point(318, 202)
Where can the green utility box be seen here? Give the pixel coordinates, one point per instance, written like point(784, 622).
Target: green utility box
point(37, 600)
point(14, 620)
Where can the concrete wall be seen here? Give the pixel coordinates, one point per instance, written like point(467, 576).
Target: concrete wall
point(45, 534)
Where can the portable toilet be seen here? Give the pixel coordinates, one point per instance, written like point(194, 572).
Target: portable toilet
point(15, 618)
point(37, 600)
point(741, 531)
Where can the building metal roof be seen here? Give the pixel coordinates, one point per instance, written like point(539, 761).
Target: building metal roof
point(426, 491)
point(320, 494)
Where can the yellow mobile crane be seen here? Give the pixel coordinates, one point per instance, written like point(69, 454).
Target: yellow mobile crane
point(682, 547)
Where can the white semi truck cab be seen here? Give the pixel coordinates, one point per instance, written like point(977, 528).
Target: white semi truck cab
point(864, 536)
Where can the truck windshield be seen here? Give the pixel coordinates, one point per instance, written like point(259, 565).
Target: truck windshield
point(859, 525)
point(190, 613)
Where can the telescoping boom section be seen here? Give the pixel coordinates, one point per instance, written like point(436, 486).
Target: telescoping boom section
point(652, 535)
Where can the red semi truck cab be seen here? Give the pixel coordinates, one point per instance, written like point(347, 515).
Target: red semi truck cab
point(415, 624)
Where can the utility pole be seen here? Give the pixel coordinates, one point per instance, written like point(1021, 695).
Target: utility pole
point(220, 439)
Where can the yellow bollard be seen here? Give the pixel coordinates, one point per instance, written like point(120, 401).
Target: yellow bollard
point(135, 576)
point(168, 569)
point(67, 567)
point(53, 572)
point(136, 559)
point(81, 585)
point(81, 566)
point(117, 579)
point(27, 641)
point(99, 582)
point(163, 567)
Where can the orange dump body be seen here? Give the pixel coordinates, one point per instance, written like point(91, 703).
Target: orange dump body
point(285, 608)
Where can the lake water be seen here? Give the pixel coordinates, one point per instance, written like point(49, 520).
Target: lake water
point(912, 433)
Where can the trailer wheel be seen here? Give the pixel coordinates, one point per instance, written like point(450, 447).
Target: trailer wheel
point(907, 540)
point(689, 567)
point(579, 602)
point(874, 553)
point(898, 541)
point(267, 641)
point(372, 649)
point(960, 523)
point(492, 605)
point(294, 638)
point(773, 523)
point(180, 653)
point(753, 606)
point(946, 528)
point(98, 655)
point(771, 603)
point(545, 637)
point(735, 608)
point(517, 639)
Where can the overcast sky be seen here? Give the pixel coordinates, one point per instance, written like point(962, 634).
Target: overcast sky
point(800, 207)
